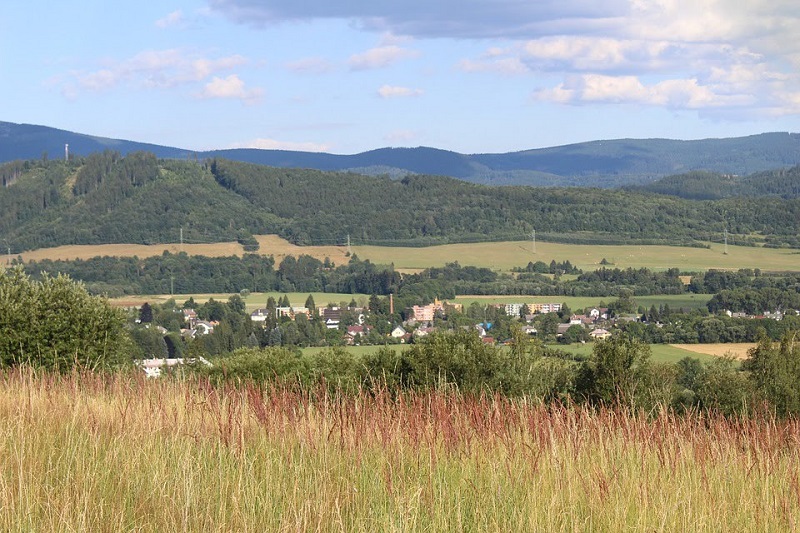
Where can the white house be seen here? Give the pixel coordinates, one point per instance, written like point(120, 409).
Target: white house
point(259, 315)
point(203, 328)
point(153, 367)
point(398, 332)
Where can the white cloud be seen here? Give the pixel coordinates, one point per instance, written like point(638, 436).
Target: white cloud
point(598, 54)
point(672, 93)
point(272, 144)
point(231, 87)
point(152, 69)
point(389, 91)
point(379, 57)
point(100, 80)
point(506, 66)
point(702, 54)
point(173, 19)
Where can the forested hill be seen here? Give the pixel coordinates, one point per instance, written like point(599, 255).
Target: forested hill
point(106, 198)
point(782, 183)
point(26, 141)
point(608, 163)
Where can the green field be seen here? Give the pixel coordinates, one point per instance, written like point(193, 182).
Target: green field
point(502, 256)
point(506, 255)
point(252, 301)
point(661, 353)
point(259, 299)
point(357, 351)
point(675, 301)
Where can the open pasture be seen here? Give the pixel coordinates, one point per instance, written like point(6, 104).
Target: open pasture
point(576, 303)
point(252, 300)
point(659, 353)
point(502, 256)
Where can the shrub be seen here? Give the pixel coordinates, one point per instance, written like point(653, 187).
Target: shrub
point(457, 358)
point(259, 365)
point(617, 372)
point(56, 324)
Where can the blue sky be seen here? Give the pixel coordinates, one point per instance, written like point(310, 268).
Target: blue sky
point(465, 75)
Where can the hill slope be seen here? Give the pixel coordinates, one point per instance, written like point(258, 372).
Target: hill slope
point(781, 183)
point(139, 199)
point(607, 163)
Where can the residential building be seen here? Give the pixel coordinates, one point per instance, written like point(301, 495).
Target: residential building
point(545, 308)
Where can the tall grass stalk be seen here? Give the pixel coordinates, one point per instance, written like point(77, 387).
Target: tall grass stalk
point(94, 452)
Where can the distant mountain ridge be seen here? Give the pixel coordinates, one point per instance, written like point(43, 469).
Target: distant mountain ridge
point(607, 163)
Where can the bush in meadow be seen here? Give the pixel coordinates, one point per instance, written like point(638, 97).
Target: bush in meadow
point(56, 324)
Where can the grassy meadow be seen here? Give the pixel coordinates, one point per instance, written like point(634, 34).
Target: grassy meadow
point(252, 301)
point(496, 255)
point(256, 300)
point(661, 353)
point(86, 452)
point(675, 301)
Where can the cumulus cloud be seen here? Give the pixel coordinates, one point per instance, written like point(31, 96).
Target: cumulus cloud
point(231, 87)
point(503, 65)
point(671, 93)
point(152, 69)
point(695, 54)
point(388, 91)
point(173, 19)
point(272, 144)
point(379, 57)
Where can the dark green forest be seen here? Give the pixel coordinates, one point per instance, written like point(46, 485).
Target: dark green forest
point(106, 198)
point(782, 183)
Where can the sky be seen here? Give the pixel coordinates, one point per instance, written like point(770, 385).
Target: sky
point(345, 77)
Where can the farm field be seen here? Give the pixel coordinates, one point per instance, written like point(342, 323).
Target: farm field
point(496, 255)
point(660, 353)
point(85, 452)
point(675, 301)
point(357, 351)
point(737, 350)
point(252, 301)
point(256, 300)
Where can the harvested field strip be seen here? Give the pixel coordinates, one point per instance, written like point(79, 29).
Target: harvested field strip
point(496, 255)
point(736, 350)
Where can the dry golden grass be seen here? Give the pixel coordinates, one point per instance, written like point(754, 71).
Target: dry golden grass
point(496, 255)
point(87, 251)
point(280, 248)
point(735, 350)
point(118, 453)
